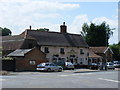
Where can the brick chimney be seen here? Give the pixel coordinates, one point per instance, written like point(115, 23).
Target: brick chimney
point(63, 28)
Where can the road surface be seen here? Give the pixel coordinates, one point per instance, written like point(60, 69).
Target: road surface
point(68, 79)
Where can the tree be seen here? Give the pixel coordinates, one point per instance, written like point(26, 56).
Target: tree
point(116, 51)
point(5, 31)
point(96, 35)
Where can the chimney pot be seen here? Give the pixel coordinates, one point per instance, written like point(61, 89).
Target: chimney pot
point(63, 23)
point(30, 27)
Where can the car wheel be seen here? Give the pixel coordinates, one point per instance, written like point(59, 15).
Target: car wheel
point(48, 69)
point(60, 70)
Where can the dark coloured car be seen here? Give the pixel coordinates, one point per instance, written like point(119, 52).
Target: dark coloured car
point(93, 66)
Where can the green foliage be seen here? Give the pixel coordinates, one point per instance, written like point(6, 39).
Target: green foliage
point(96, 35)
point(7, 58)
point(116, 51)
point(5, 31)
point(43, 29)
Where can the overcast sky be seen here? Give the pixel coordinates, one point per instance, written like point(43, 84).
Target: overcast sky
point(18, 15)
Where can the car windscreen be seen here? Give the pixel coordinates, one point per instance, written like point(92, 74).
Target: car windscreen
point(118, 62)
point(42, 64)
point(110, 63)
point(46, 64)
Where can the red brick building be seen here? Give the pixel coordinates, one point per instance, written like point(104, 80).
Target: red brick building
point(27, 59)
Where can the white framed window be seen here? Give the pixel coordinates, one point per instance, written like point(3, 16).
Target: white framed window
point(62, 51)
point(46, 50)
point(32, 62)
point(81, 51)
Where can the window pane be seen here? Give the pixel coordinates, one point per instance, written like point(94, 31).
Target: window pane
point(32, 62)
point(46, 50)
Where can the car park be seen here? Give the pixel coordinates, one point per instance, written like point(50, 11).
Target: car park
point(49, 67)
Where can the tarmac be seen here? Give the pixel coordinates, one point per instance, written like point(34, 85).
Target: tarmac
point(67, 71)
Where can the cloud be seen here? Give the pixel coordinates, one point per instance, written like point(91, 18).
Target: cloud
point(77, 23)
point(43, 16)
point(19, 14)
point(99, 20)
point(33, 5)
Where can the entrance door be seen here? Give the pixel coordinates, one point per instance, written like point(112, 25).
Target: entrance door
point(73, 59)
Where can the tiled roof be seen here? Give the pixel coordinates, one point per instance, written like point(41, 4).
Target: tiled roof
point(98, 49)
point(93, 55)
point(57, 39)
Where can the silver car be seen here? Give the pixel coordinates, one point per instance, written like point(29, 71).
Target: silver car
point(110, 65)
point(49, 67)
point(117, 64)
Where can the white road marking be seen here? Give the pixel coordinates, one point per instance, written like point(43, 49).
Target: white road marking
point(2, 79)
point(76, 74)
point(64, 75)
point(109, 80)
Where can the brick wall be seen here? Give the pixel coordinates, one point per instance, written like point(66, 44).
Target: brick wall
point(24, 64)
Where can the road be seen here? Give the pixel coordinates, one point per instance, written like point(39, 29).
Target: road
point(68, 79)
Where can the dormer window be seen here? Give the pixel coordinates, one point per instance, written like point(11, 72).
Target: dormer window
point(81, 51)
point(46, 50)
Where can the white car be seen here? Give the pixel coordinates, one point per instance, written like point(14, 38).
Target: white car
point(49, 67)
point(110, 65)
point(69, 65)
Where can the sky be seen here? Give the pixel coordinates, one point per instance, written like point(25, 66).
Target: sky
point(18, 15)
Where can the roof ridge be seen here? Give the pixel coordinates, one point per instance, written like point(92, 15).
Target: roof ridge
point(53, 32)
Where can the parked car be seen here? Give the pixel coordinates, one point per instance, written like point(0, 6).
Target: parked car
point(65, 65)
point(69, 65)
point(110, 65)
point(49, 67)
point(117, 64)
point(93, 66)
